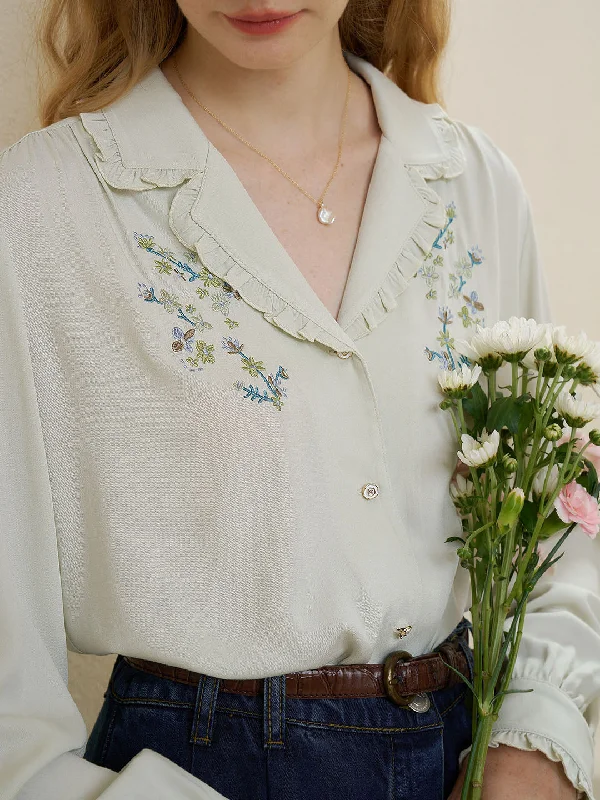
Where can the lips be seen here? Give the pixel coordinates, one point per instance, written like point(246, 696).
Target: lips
point(263, 22)
point(262, 16)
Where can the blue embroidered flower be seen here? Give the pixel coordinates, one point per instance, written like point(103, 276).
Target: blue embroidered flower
point(475, 255)
point(469, 312)
point(201, 351)
point(182, 339)
point(255, 368)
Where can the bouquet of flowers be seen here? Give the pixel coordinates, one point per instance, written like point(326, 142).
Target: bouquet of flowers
point(525, 475)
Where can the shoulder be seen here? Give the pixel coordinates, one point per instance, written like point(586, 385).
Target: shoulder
point(40, 157)
point(487, 165)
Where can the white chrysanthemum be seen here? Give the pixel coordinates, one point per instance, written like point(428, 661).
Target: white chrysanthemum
point(591, 363)
point(457, 381)
point(461, 487)
point(575, 411)
point(545, 342)
point(570, 348)
point(537, 486)
point(510, 340)
point(479, 453)
point(477, 349)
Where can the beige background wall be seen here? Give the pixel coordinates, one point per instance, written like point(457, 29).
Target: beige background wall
point(526, 71)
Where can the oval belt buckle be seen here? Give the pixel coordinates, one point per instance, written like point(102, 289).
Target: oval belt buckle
point(417, 702)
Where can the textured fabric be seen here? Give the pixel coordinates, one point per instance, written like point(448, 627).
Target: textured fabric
point(248, 748)
point(188, 436)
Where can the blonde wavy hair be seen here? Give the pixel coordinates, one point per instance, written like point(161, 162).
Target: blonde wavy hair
point(95, 51)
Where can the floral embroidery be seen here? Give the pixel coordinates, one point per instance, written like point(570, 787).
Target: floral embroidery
point(168, 264)
point(233, 347)
point(182, 339)
point(469, 306)
point(171, 303)
point(432, 263)
point(201, 352)
point(204, 353)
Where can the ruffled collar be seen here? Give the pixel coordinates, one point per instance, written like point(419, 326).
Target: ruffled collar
point(136, 150)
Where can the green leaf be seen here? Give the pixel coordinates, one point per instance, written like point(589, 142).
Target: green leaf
point(552, 525)
point(454, 539)
point(560, 453)
point(504, 412)
point(590, 482)
point(529, 514)
point(475, 404)
point(513, 691)
point(526, 413)
point(464, 678)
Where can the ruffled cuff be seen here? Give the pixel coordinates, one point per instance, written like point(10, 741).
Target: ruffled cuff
point(547, 720)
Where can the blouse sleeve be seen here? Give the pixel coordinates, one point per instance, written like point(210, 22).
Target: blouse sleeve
point(559, 655)
point(42, 733)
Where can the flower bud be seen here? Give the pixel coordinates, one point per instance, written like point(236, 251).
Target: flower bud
point(553, 432)
point(491, 362)
point(569, 371)
point(550, 368)
point(509, 463)
point(542, 354)
point(594, 437)
point(445, 404)
point(586, 375)
point(511, 508)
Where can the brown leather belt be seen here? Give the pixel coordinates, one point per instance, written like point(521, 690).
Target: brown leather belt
point(401, 677)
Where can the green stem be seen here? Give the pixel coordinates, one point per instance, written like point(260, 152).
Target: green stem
point(473, 784)
point(541, 518)
point(492, 386)
point(524, 380)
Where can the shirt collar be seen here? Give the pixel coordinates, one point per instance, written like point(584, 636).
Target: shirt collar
point(148, 139)
point(138, 148)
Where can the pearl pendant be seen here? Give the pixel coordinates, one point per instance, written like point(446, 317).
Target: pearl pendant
point(325, 216)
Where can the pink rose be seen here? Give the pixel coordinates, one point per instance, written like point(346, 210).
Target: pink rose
point(574, 504)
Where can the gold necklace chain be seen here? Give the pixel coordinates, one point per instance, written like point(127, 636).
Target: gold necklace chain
point(324, 215)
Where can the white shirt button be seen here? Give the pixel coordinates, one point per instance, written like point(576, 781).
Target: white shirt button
point(370, 490)
point(345, 354)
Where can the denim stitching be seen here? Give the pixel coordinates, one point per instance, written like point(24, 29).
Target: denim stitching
point(148, 700)
point(199, 711)
point(307, 723)
point(210, 709)
point(270, 740)
point(453, 703)
point(108, 738)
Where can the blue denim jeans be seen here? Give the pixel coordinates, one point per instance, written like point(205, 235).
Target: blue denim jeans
point(270, 747)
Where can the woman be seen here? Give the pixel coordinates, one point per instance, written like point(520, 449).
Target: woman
point(222, 198)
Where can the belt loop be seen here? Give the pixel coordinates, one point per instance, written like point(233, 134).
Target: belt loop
point(205, 710)
point(274, 711)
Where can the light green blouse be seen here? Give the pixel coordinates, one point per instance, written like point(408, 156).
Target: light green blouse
point(201, 466)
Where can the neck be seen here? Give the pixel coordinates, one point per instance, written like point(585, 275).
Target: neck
point(303, 100)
